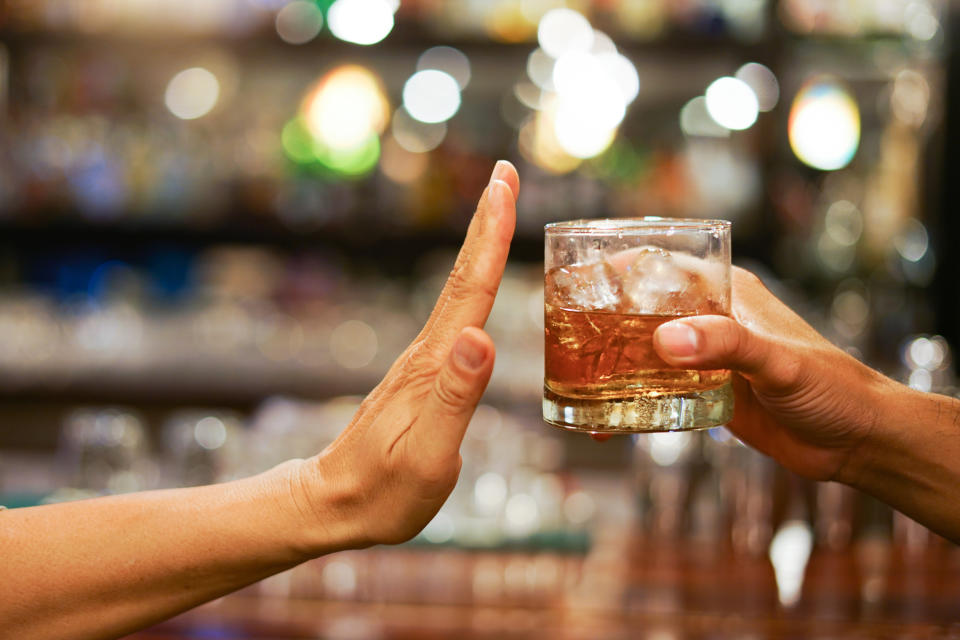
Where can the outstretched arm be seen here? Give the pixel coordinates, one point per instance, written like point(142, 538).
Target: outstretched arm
point(821, 412)
point(105, 567)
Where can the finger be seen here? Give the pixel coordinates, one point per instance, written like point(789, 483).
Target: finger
point(456, 391)
point(468, 295)
point(719, 342)
point(470, 290)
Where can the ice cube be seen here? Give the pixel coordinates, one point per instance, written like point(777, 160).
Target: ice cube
point(594, 286)
point(660, 282)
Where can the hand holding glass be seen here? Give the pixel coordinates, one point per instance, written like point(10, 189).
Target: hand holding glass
point(608, 284)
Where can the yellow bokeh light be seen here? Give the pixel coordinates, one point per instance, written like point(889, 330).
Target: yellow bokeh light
point(539, 143)
point(346, 107)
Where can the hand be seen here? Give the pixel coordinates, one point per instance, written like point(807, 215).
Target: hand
point(798, 398)
point(389, 472)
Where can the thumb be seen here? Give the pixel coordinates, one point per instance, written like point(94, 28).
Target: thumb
point(719, 342)
point(456, 390)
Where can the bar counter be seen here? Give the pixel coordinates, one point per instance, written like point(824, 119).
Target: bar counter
point(643, 589)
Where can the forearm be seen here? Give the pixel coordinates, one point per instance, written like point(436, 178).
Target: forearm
point(104, 567)
point(911, 457)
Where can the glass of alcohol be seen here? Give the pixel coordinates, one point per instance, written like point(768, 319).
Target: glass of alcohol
point(608, 284)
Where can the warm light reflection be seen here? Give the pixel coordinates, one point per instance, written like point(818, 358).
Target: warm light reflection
point(539, 143)
point(192, 93)
point(824, 125)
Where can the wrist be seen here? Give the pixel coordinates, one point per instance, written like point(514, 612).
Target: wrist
point(887, 448)
point(876, 431)
point(316, 509)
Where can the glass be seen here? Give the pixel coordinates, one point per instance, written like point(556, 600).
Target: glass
point(608, 284)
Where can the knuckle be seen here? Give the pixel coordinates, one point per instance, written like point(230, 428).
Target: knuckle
point(732, 339)
point(465, 285)
point(742, 277)
point(452, 394)
point(790, 371)
point(437, 477)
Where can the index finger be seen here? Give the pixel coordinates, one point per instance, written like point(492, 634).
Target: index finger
point(471, 288)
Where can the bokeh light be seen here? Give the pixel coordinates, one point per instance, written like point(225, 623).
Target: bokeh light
point(732, 103)
point(363, 22)
point(210, 432)
point(521, 516)
point(353, 344)
point(346, 107)
point(763, 82)
point(299, 21)
point(695, 121)
point(920, 22)
point(538, 142)
point(449, 60)
point(592, 93)
point(564, 31)
point(352, 162)
point(540, 69)
point(416, 136)
point(666, 448)
point(910, 98)
point(192, 93)
point(297, 143)
point(585, 124)
point(431, 96)
point(913, 241)
point(339, 123)
point(789, 553)
point(824, 125)
point(399, 164)
point(624, 74)
point(843, 223)
point(490, 492)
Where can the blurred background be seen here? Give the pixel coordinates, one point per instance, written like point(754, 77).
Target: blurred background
point(221, 220)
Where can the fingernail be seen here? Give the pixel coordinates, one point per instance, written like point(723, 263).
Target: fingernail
point(499, 171)
point(678, 339)
point(468, 353)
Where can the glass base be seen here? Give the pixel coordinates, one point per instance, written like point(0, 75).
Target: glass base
point(649, 412)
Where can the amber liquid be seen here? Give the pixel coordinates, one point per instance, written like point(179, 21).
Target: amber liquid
point(607, 355)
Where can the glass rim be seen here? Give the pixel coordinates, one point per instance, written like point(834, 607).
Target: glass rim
point(646, 224)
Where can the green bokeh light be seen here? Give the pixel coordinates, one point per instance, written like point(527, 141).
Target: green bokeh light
point(297, 142)
point(350, 162)
point(307, 152)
